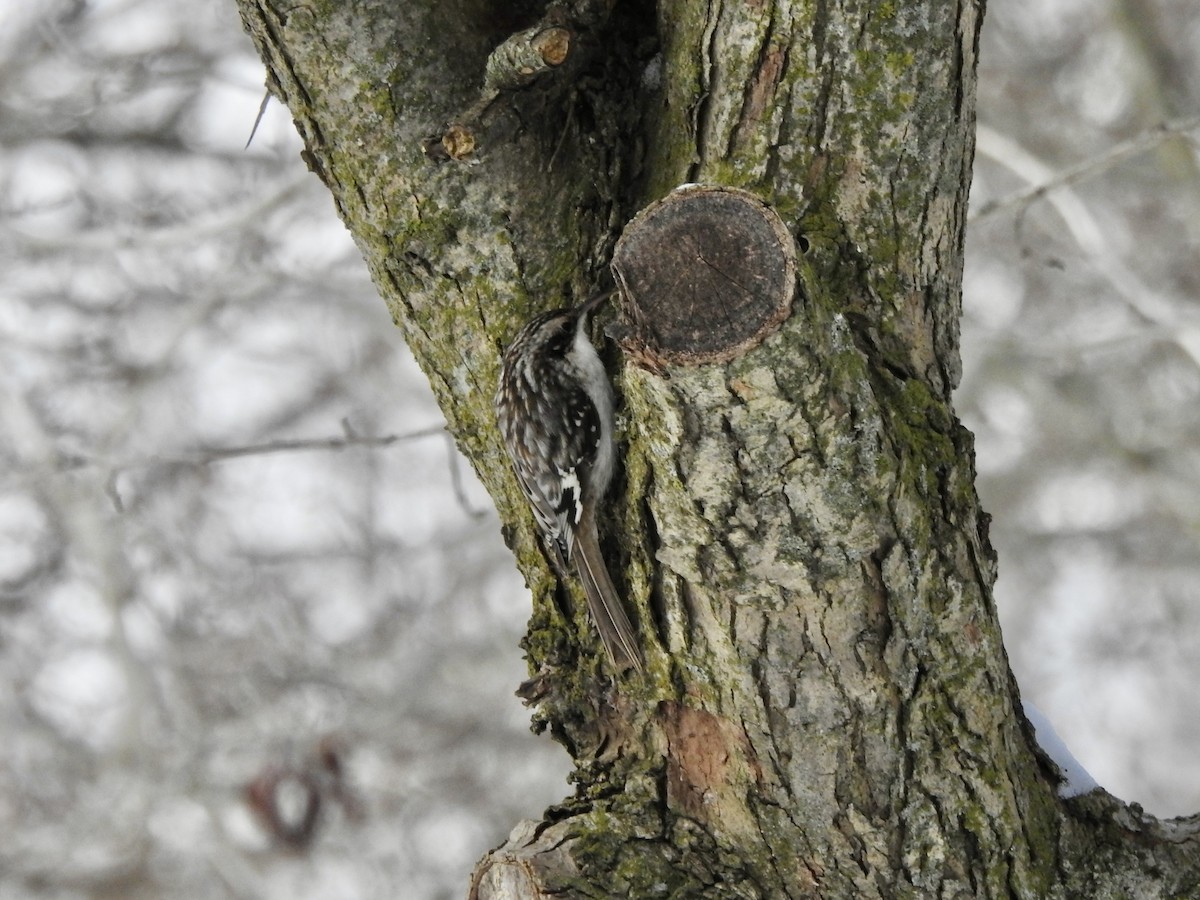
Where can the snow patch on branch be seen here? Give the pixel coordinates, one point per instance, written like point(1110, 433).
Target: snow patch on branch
point(1076, 779)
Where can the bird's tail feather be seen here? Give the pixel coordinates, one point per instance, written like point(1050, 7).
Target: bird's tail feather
point(616, 632)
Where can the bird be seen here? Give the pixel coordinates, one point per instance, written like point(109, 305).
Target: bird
point(554, 407)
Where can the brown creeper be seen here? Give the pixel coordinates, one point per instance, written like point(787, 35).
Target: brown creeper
point(555, 409)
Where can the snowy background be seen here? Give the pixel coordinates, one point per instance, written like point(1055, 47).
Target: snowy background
point(237, 552)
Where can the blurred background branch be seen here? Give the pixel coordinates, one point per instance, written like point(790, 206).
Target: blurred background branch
point(1004, 151)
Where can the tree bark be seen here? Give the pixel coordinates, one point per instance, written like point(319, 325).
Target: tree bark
point(827, 709)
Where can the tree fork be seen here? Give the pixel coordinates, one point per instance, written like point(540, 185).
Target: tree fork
point(828, 709)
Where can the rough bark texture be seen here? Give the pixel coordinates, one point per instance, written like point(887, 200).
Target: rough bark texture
point(828, 710)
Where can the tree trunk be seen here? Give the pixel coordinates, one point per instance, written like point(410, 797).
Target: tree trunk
point(827, 708)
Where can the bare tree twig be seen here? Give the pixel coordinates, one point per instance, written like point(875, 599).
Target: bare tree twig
point(1149, 305)
point(456, 481)
point(1138, 144)
point(262, 109)
point(207, 456)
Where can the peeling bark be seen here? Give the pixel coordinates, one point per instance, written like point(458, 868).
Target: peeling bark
point(828, 709)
